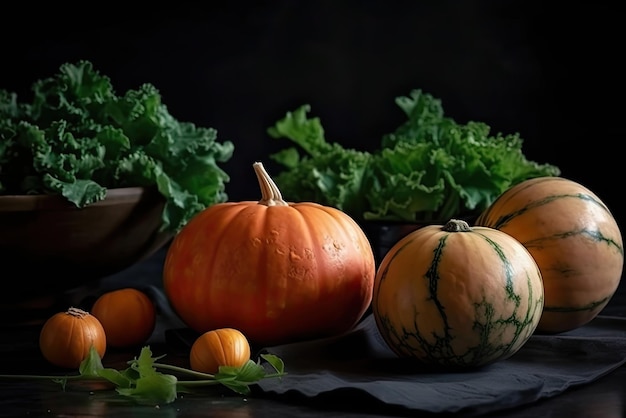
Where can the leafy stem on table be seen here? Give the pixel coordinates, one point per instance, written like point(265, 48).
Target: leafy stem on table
point(143, 383)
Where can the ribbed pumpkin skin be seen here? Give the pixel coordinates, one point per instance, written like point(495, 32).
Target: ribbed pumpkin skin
point(219, 347)
point(278, 273)
point(460, 299)
point(66, 338)
point(574, 239)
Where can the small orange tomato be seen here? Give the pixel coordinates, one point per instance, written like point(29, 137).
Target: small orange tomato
point(66, 337)
point(220, 347)
point(128, 316)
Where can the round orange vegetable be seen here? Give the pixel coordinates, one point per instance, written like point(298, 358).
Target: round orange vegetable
point(573, 237)
point(66, 337)
point(128, 316)
point(220, 347)
point(452, 296)
point(277, 271)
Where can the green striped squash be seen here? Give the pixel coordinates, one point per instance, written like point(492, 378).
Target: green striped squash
point(454, 296)
point(575, 241)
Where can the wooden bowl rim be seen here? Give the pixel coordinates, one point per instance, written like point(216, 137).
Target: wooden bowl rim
point(27, 203)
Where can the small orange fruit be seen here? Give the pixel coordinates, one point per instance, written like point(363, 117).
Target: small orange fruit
point(220, 347)
point(127, 315)
point(66, 338)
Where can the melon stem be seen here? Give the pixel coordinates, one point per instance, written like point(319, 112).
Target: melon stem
point(456, 225)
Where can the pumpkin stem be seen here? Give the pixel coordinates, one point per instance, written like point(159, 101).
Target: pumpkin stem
point(270, 194)
point(456, 225)
point(76, 312)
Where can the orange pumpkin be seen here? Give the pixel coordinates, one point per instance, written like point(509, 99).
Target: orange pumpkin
point(66, 337)
point(220, 347)
point(127, 315)
point(279, 272)
point(575, 240)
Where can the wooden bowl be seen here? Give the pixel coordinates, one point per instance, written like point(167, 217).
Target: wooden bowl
point(48, 246)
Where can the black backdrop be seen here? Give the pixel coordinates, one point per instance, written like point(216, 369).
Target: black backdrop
point(552, 74)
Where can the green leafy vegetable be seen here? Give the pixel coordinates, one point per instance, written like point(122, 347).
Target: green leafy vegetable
point(144, 384)
point(327, 173)
point(78, 138)
point(429, 168)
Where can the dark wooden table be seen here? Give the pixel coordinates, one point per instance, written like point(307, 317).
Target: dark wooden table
point(604, 398)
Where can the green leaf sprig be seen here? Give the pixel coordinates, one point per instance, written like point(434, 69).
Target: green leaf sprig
point(144, 384)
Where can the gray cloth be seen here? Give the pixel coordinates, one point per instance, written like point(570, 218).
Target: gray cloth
point(359, 365)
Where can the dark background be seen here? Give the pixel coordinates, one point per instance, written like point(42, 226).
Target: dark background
point(552, 74)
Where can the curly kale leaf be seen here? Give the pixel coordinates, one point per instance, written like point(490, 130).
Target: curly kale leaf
point(428, 168)
point(325, 173)
point(431, 167)
point(78, 138)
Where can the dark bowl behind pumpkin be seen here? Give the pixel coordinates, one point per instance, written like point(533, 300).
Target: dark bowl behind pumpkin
point(49, 246)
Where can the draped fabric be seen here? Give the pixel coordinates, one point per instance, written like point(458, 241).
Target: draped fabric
point(360, 367)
